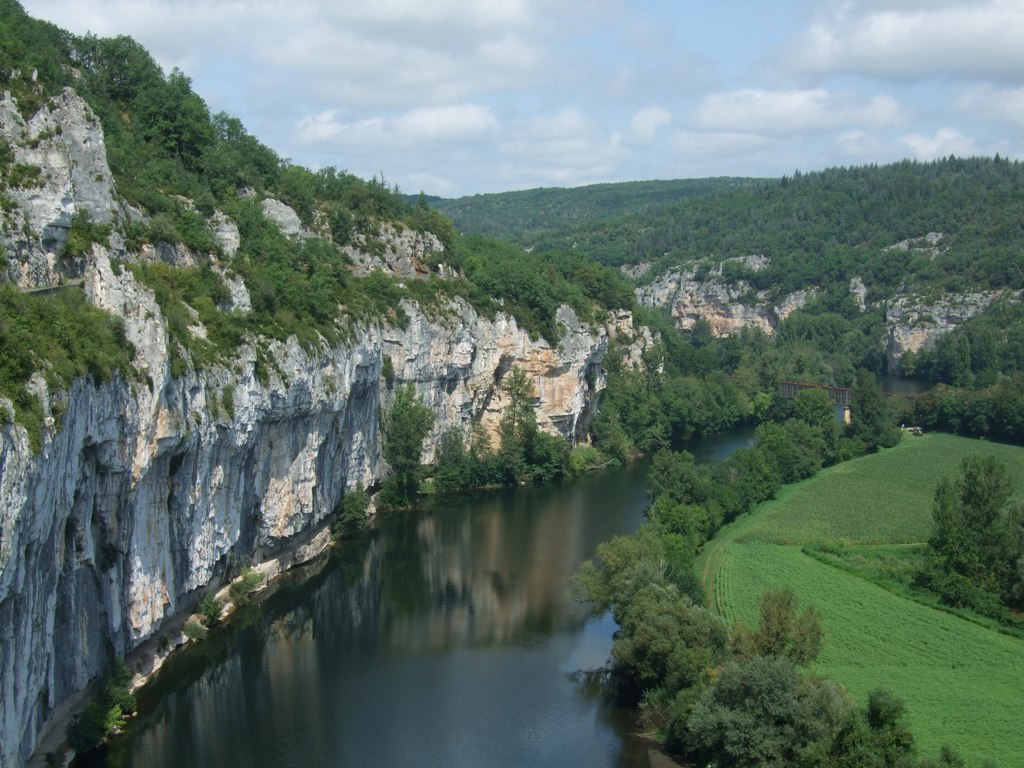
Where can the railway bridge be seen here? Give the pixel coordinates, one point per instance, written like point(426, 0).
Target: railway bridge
point(838, 395)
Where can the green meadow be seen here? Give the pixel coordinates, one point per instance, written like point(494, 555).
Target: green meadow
point(962, 682)
point(885, 498)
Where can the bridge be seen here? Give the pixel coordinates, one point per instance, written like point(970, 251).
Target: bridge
point(838, 395)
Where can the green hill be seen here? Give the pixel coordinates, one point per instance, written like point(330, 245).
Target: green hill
point(956, 676)
point(820, 228)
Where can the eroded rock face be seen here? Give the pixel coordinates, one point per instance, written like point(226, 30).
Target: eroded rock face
point(151, 490)
point(64, 141)
point(727, 308)
point(916, 324)
point(397, 252)
point(154, 487)
point(284, 216)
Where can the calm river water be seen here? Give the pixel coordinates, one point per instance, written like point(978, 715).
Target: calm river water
point(444, 640)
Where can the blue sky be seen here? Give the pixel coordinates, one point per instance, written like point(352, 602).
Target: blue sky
point(455, 97)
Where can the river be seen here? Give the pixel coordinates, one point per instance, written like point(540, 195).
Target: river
point(445, 639)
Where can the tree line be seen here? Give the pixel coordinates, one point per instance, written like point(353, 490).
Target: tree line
point(721, 695)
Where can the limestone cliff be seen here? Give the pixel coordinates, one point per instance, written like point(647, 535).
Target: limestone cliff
point(916, 323)
point(148, 490)
point(912, 322)
point(728, 308)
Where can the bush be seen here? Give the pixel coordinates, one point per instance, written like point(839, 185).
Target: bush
point(105, 713)
point(242, 589)
point(194, 630)
point(210, 609)
point(352, 519)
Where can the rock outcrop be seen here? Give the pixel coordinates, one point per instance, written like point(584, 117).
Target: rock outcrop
point(64, 144)
point(728, 307)
point(156, 487)
point(148, 491)
point(914, 323)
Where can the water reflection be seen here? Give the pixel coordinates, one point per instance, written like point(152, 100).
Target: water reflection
point(444, 639)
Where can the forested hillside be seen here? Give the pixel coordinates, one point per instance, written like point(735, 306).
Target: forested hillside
point(816, 228)
point(537, 215)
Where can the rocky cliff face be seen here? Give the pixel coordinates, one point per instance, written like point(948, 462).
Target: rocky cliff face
point(151, 489)
point(64, 141)
point(727, 307)
point(914, 323)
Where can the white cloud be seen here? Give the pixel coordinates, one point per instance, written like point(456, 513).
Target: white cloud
point(1005, 105)
point(646, 123)
point(457, 122)
point(942, 143)
point(786, 112)
point(903, 40)
point(460, 122)
point(324, 127)
point(460, 97)
point(721, 143)
point(561, 148)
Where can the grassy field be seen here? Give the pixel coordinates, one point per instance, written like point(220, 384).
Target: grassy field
point(963, 683)
point(885, 498)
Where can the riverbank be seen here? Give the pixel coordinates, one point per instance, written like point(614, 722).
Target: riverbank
point(148, 658)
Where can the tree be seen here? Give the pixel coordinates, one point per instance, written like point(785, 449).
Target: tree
point(667, 642)
point(814, 408)
point(977, 540)
point(869, 415)
point(875, 737)
point(352, 518)
point(796, 449)
point(761, 713)
point(518, 423)
point(210, 609)
point(675, 475)
point(405, 427)
point(782, 631)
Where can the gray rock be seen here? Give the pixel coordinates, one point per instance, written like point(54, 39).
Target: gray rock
point(285, 217)
point(65, 141)
point(915, 323)
point(149, 491)
point(724, 306)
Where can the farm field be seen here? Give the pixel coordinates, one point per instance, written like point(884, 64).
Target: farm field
point(885, 498)
point(961, 682)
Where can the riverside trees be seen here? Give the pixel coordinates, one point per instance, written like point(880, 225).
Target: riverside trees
point(405, 427)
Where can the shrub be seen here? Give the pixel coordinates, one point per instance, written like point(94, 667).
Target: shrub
point(210, 609)
point(194, 630)
point(352, 519)
point(105, 713)
point(242, 589)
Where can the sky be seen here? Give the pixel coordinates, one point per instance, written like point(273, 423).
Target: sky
point(458, 97)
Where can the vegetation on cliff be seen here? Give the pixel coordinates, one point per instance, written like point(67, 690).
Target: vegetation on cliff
point(175, 164)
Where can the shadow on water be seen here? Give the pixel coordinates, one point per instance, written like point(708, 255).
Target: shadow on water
point(443, 638)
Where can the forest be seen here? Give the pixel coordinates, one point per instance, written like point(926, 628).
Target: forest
point(721, 693)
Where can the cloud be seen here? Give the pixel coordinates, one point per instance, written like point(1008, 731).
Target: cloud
point(785, 112)
point(646, 122)
point(718, 143)
point(561, 148)
point(1005, 105)
point(910, 40)
point(944, 142)
point(457, 122)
